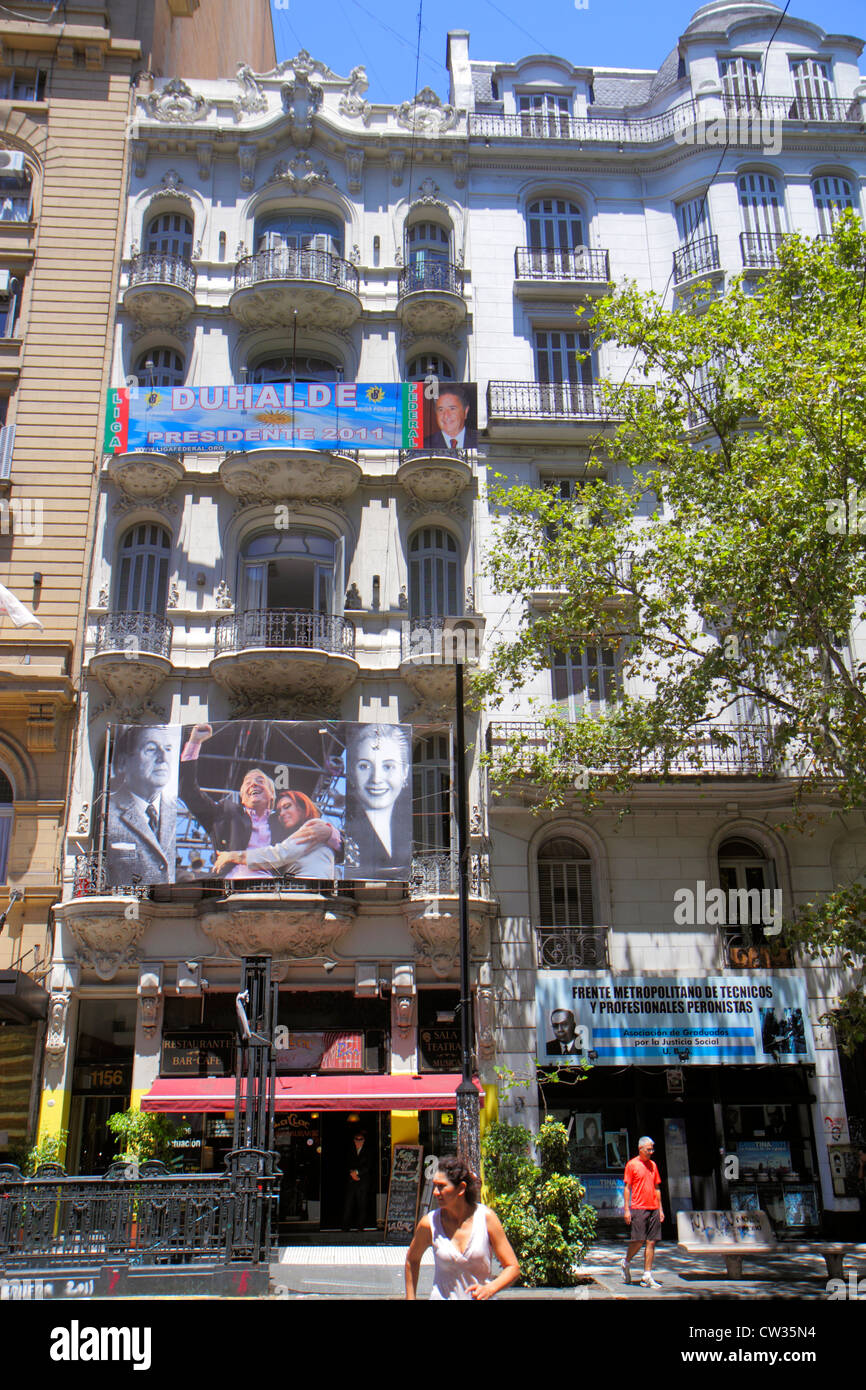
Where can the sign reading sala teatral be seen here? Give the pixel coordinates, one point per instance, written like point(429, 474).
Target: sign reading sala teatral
point(301, 414)
point(671, 1021)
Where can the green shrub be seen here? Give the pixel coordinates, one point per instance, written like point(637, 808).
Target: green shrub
point(143, 1134)
point(541, 1208)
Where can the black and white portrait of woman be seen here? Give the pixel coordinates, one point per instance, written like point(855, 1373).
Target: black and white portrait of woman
point(379, 799)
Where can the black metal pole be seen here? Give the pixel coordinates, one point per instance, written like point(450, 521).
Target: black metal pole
point(468, 1118)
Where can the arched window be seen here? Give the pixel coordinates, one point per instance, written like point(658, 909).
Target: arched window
point(431, 795)
point(303, 231)
point(293, 570)
point(299, 368)
point(554, 224)
point(434, 574)
point(428, 258)
point(565, 888)
point(169, 234)
point(429, 364)
point(142, 584)
point(160, 367)
point(761, 204)
point(752, 906)
point(7, 798)
point(15, 194)
point(832, 195)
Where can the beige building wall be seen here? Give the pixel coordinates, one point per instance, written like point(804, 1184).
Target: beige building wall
point(208, 38)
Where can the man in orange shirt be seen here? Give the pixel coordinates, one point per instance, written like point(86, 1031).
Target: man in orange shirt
point(643, 1210)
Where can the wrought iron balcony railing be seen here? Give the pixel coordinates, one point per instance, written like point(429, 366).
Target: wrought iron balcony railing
point(442, 640)
point(733, 750)
point(132, 633)
point(572, 948)
point(287, 263)
point(427, 451)
point(284, 628)
point(746, 947)
point(794, 108)
point(534, 400)
point(760, 249)
point(155, 1218)
point(158, 269)
point(698, 258)
point(436, 874)
point(90, 880)
point(580, 263)
point(703, 399)
point(431, 275)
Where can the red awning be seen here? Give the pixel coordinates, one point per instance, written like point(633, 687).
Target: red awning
point(176, 1096)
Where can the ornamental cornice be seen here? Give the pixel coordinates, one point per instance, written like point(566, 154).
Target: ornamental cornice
point(304, 926)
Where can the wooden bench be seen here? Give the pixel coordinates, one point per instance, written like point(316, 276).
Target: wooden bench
point(737, 1234)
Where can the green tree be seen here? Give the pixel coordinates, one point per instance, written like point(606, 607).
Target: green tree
point(717, 548)
point(142, 1135)
point(541, 1208)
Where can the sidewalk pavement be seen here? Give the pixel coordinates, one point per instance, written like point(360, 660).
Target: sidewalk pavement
point(376, 1272)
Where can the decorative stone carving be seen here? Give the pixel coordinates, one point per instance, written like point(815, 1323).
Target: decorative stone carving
point(417, 507)
point(171, 181)
point(433, 481)
point(139, 149)
point(145, 477)
point(257, 673)
point(355, 168)
point(403, 599)
point(485, 1014)
point(252, 98)
point(404, 1013)
point(56, 1037)
point(469, 605)
point(176, 104)
point(427, 115)
point(352, 103)
point(434, 926)
point(204, 155)
point(315, 704)
point(284, 475)
point(247, 162)
point(353, 597)
point(476, 821)
point(396, 159)
point(460, 165)
point(125, 503)
point(83, 826)
point(173, 595)
point(301, 100)
point(303, 65)
point(102, 601)
point(304, 926)
point(150, 1006)
point(107, 932)
point(300, 174)
point(222, 597)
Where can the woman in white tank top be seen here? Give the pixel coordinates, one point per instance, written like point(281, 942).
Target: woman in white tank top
point(463, 1234)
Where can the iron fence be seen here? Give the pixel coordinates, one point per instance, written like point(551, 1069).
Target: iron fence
point(288, 263)
point(746, 947)
point(533, 400)
point(698, 258)
point(147, 1218)
point(738, 750)
point(793, 108)
point(580, 263)
point(427, 451)
point(437, 873)
point(158, 269)
point(557, 125)
point(440, 641)
point(132, 633)
point(284, 628)
point(572, 948)
point(430, 275)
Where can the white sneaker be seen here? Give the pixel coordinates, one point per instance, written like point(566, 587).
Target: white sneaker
point(648, 1282)
point(626, 1270)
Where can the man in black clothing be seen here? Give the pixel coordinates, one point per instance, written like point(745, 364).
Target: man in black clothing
point(358, 1182)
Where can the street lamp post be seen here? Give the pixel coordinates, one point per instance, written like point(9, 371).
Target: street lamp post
point(468, 1118)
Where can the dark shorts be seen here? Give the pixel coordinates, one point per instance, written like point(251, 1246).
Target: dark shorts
point(645, 1224)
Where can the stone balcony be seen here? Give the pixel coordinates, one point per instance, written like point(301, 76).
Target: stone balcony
point(558, 274)
point(431, 474)
point(430, 649)
point(430, 297)
point(285, 651)
point(160, 290)
point(132, 654)
point(291, 475)
point(272, 286)
point(146, 477)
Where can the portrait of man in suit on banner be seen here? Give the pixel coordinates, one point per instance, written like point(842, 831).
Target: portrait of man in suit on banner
point(142, 807)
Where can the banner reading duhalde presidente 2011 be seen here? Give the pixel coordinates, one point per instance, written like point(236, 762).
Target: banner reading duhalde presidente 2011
point(310, 414)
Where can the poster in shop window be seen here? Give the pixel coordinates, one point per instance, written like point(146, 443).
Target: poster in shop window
point(259, 799)
point(674, 1021)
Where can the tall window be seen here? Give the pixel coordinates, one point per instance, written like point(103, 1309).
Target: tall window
point(565, 889)
point(431, 795)
point(299, 232)
point(693, 219)
point(555, 225)
point(584, 677)
point(544, 114)
point(6, 811)
point(282, 368)
point(143, 570)
point(10, 295)
point(169, 234)
point(832, 195)
point(15, 199)
point(814, 89)
point(761, 204)
point(295, 571)
point(744, 867)
point(430, 364)
point(741, 81)
point(160, 367)
point(434, 574)
point(563, 378)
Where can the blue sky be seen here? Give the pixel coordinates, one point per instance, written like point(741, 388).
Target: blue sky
point(382, 34)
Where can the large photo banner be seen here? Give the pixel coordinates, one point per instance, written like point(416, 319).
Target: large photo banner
point(671, 1022)
point(251, 798)
point(308, 414)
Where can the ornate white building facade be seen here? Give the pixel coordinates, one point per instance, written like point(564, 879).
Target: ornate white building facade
point(282, 227)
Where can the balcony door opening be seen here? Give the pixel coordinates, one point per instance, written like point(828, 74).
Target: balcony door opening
point(296, 573)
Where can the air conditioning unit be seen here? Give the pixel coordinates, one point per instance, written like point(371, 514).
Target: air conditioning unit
point(12, 162)
point(5, 283)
